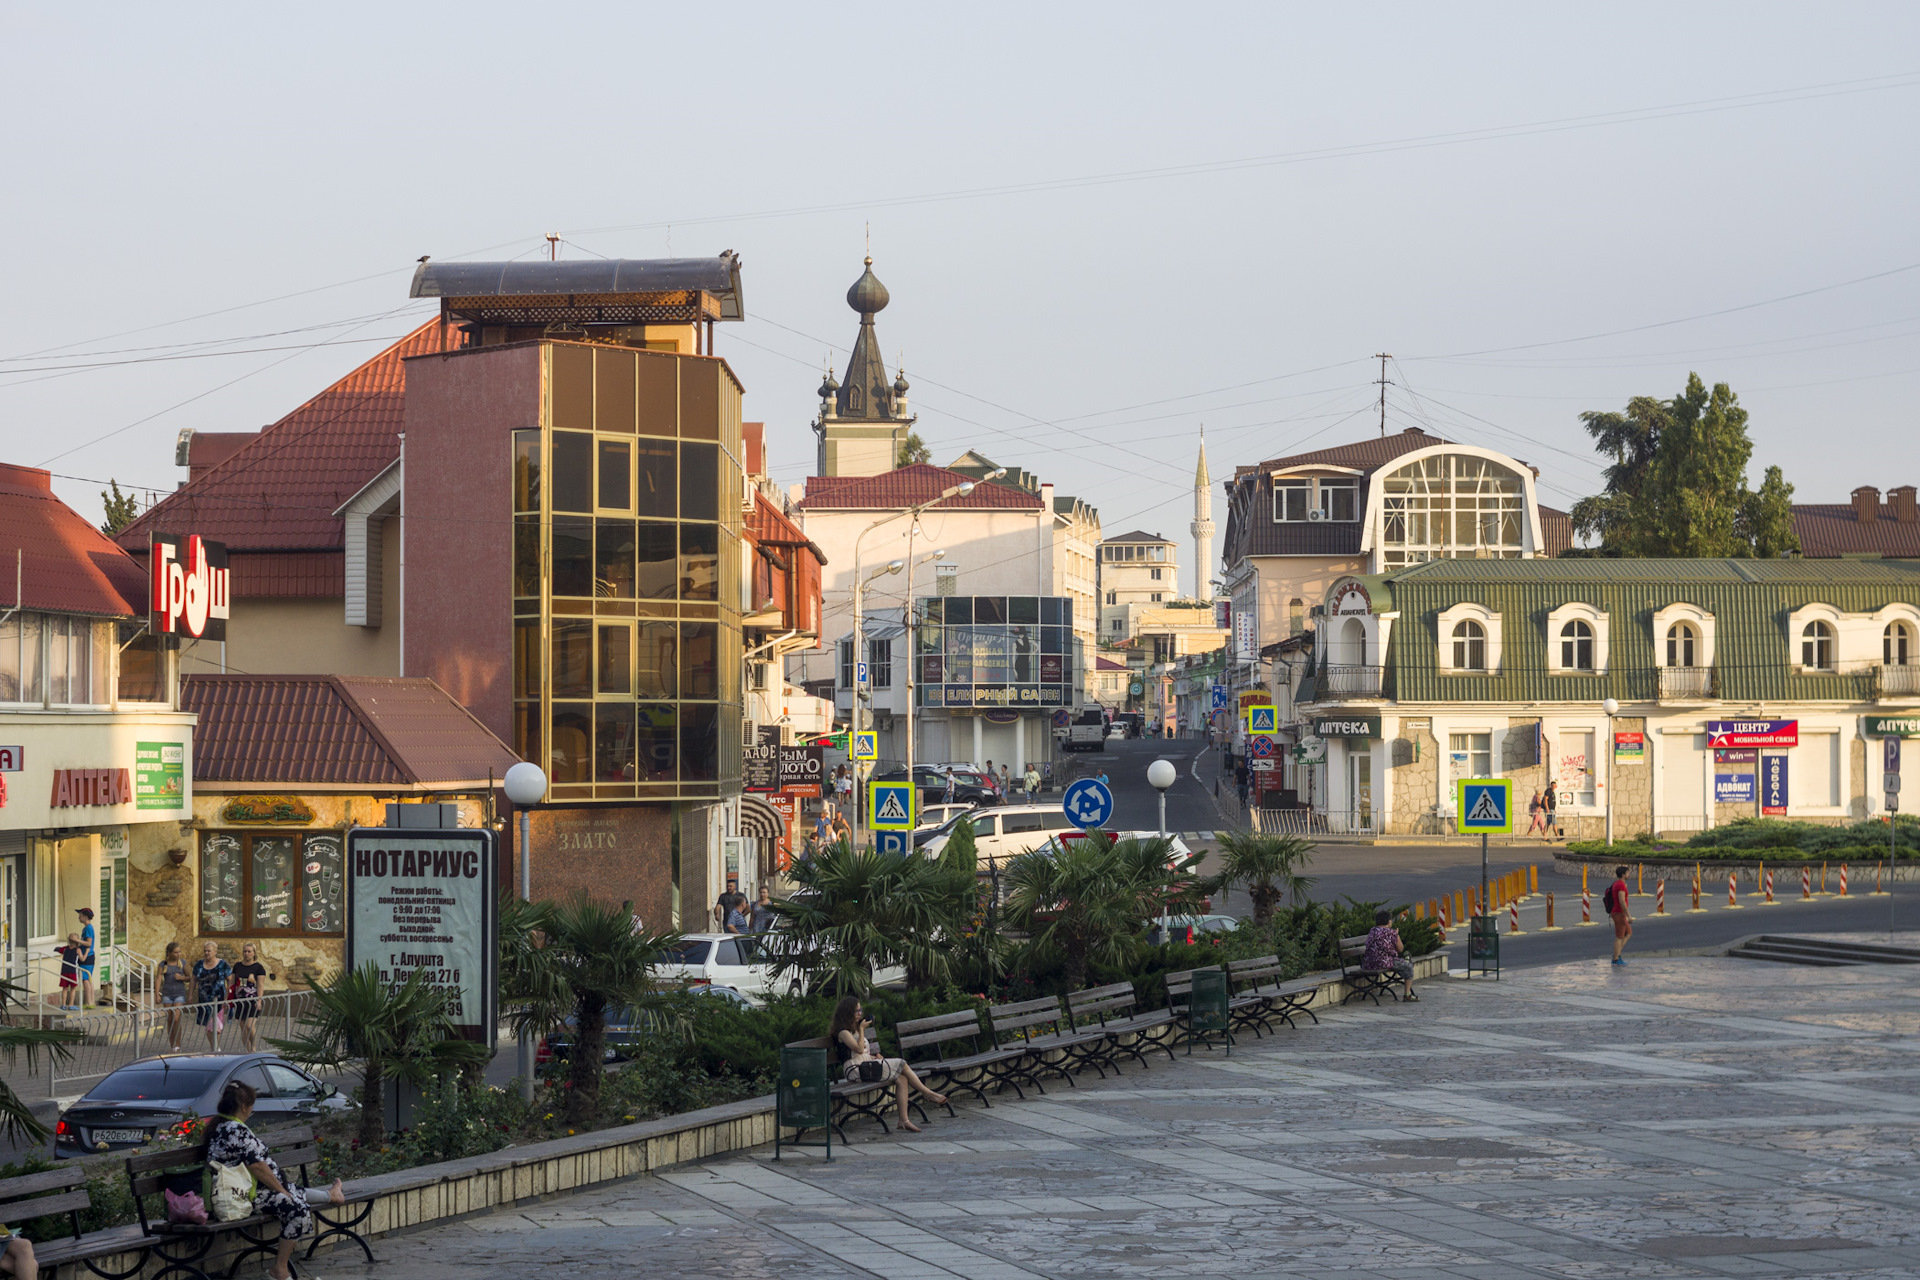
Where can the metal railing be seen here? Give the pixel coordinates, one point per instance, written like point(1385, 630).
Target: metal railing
point(115, 1039)
point(1665, 824)
point(1896, 681)
point(1344, 684)
point(1687, 682)
point(35, 974)
point(1310, 822)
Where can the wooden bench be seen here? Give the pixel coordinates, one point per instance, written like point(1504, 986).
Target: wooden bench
point(1114, 1009)
point(1365, 983)
point(1180, 1004)
point(1038, 1028)
point(182, 1246)
point(857, 1097)
point(1266, 998)
point(63, 1193)
point(944, 1034)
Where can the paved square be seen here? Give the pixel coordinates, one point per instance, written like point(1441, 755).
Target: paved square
point(1684, 1117)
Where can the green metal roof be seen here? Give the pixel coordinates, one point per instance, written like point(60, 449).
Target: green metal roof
point(1750, 600)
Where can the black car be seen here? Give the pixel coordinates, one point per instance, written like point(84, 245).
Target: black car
point(152, 1097)
point(931, 781)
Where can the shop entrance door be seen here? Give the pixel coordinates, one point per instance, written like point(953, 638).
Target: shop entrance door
point(1360, 782)
point(12, 954)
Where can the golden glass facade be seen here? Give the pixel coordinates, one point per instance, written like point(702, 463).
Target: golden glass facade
point(628, 577)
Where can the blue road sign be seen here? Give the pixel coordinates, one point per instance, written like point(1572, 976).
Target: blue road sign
point(1485, 804)
point(890, 806)
point(891, 842)
point(1263, 720)
point(1219, 697)
point(866, 746)
point(860, 674)
point(1088, 803)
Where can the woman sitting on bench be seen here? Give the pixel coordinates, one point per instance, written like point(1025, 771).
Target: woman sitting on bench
point(1385, 953)
point(231, 1142)
point(848, 1032)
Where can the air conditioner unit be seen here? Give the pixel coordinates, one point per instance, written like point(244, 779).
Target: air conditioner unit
point(1316, 514)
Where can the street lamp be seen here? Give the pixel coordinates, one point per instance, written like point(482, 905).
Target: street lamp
point(1612, 707)
point(1160, 775)
point(913, 650)
point(525, 786)
point(860, 657)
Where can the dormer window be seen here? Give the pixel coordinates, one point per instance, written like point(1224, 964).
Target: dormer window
point(1683, 645)
point(1339, 500)
point(1816, 646)
point(1469, 646)
point(1576, 646)
point(1470, 640)
point(1291, 499)
point(1300, 498)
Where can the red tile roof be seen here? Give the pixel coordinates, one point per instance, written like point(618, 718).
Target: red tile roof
point(1362, 455)
point(279, 491)
point(909, 487)
point(1556, 531)
point(1831, 529)
point(66, 565)
point(372, 731)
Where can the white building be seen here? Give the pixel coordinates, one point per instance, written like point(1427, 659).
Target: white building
point(1138, 571)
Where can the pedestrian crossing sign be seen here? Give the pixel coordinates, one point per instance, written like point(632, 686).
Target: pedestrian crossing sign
point(1484, 804)
point(866, 746)
point(1263, 720)
point(890, 806)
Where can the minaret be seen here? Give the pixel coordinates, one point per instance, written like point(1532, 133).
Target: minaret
point(1202, 526)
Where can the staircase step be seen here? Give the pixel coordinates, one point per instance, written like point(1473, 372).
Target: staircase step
point(1891, 954)
point(1747, 953)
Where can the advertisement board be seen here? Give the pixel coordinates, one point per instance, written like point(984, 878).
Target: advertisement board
point(760, 761)
point(423, 901)
point(1629, 748)
point(1773, 787)
point(1753, 733)
point(1732, 788)
point(801, 770)
point(190, 587)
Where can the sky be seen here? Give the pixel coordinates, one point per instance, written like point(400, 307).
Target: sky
point(1102, 226)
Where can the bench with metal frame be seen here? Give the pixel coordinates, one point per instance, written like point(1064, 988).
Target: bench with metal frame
point(1038, 1028)
point(1268, 998)
point(1365, 983)
point(1180, 1004)
point(63, 1193)
point(943, 1033)
point(857, 1097)
point(182, 1246)
point(1114, 1009)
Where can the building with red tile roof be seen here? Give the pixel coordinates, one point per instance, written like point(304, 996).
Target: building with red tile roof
point(1864, 527)
point(910, 486)
point(64, 564)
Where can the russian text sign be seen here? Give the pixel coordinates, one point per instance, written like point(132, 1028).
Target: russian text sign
point(423, 901)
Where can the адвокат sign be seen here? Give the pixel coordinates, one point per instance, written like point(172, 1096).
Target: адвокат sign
point(423, 901)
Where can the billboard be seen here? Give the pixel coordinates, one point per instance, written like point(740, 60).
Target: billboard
point(422, 900)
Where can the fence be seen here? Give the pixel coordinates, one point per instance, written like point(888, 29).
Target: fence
point(35, 975)
point(1310, 822)
point(115, 1039)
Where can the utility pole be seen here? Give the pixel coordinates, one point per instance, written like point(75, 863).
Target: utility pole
point(1383, 357)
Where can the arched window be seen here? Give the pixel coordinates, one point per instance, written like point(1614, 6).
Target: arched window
point(1353, 642)
point(1576, 646)
point(1896, 644)
point(1816, 646)
point(1469, 646)
point(1683, 645)
point(1450, 504)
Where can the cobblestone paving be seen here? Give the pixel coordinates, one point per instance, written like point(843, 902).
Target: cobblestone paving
point(1686, 1117)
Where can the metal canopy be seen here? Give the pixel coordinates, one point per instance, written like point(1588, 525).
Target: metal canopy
point(602, 278)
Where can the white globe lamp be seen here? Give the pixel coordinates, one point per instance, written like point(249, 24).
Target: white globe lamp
point(1160, 775)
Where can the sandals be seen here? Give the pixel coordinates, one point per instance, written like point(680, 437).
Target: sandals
point(1410, 998)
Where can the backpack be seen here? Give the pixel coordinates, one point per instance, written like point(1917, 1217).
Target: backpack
point(1607, 902)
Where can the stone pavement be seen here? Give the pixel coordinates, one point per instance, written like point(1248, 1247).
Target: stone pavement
point(1682, 1117)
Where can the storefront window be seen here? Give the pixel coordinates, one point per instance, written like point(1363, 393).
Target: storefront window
point(272, 885)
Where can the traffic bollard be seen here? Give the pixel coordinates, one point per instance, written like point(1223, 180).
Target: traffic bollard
point(1823, 881)
point(1513, 918)
point(1533, 878)
point(1768, 876)
point(1586, 900)
point(1660, 897)
point(1733, 901)
point(1806, 884)
point(1696, 891)
point(1843, 879)
point(1551, 927)
point(1878, 892)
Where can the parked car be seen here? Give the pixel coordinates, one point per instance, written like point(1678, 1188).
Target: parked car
point(1006, 831)
point(1175, 927)
point(939, 815)
point(154, 1097)
point(624, 1027)
point(743, 961)
point(931, 780)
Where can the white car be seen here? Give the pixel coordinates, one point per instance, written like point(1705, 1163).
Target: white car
point(741, 961)
point(935, 815)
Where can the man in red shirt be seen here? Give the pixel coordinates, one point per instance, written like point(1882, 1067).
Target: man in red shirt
point(1615, 901)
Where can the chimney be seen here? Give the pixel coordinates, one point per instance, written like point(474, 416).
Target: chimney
point(1866, 504)
point(1902, 501)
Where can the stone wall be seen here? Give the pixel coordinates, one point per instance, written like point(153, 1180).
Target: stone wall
point(1414, 780)
point(163, 897)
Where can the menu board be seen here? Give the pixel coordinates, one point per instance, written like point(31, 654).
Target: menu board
point(272, 882)
point(219, 882)
point(323, 881)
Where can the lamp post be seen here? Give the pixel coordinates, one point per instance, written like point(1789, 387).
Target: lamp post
point(1612, 707)
point(1160, 775)
point(525, 786)
point(912, 620)
point(860, 658)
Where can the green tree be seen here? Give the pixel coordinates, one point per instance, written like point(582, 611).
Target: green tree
point(122, 508)
point(913, 449)
point(854, 912)
point(398, 1031)
point(1089, 901)
point(579, 959)
point(1677, 484)
point(1269, 867)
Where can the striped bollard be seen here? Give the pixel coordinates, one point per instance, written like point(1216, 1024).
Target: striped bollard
point(1843, 879)
point(1733, 901)
point(1444, 922)
point(1660, 897)
point(1768, 875)
point(1586, 899)
point(1806, 884)
point(1513, 917)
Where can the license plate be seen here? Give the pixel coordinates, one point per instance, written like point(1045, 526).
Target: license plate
point(119, 1135)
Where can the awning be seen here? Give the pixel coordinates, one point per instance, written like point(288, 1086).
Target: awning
point(758, 818)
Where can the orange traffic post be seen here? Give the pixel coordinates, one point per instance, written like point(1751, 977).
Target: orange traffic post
point(1533, 878)
point(1696, 890)
point(1660, 896)
point(1878, 892)
point(1551, 926)
point(1823, 881)
point(1768, 877)
point(1843, 879)
point(1586, 900)
point(1806, 883)
point(1640, 880)
point(1733, 902)
point(1513, 918)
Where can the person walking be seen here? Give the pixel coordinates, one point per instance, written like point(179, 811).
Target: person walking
point(243, 994)
point(763, 914)
point(1537, 816)
point(1240, 779)
point(1553, 813)
point(210, 977)
point(1615, 902)
point(1033, 782)
point(1006, 782)
point(173, 992)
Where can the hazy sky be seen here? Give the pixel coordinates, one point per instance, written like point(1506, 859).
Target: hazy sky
point(1101, 226)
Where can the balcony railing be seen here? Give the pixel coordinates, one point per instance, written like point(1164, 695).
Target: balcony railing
point(1346, 684)
point(1687, 682)
point(1896, 682)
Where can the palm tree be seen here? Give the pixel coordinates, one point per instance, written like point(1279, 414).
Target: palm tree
point(17, 1122)
point(1269, 867)
point(580, 958)
point(1090, 899)
point(401, 1030)
point(856, 911)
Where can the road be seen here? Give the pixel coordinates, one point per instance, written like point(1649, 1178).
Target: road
point(1190, 804)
